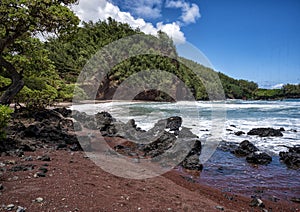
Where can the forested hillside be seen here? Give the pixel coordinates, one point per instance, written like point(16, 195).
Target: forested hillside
point(70, 56)
point(48, 70)
point(287, 91)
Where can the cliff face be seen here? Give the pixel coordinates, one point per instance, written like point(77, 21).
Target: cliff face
point(175, 91)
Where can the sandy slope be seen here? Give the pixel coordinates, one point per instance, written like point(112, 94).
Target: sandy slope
point(74, 183)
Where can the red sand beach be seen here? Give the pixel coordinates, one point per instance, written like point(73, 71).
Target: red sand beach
point(74, 183)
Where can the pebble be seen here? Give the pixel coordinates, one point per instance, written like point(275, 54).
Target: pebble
point(12, 162)
point(41, 174)
point(136, 160)
point(10, 207)
point(39, 200)
point(21, 209)
point(15, 178)
point(294, 199)
point(2, 164)
point(44, 158)
point(257, 202)
point(43, 169)
point(29, 158)
point(220, 208)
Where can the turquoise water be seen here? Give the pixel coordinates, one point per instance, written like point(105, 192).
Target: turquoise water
point(220, 120)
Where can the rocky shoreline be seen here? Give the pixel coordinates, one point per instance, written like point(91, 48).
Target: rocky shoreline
point(34, 138)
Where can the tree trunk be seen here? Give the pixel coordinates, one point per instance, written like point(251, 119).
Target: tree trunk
point(16, 85)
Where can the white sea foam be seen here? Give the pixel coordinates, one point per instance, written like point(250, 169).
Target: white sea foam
point(204, 118)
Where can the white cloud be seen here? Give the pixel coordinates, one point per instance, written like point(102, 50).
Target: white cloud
point(94, 10)
point(142, 8)
point(277, 86)
point(173, 30)
point(190, 12)
point(146, 8)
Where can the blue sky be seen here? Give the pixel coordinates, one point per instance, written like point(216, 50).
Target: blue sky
point(257, 40)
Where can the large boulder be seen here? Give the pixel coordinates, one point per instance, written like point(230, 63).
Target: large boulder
point(265, 132)
point(259, 158)
point(67, 113)
point(33, 130)
point(239, 133)
point(167, 142)
point(291, 158)
point(174, 123)
point(103, 120)
point(245, 148)
point(252, 153)
point(160, 145)
point(192, 163)
point(47, 114)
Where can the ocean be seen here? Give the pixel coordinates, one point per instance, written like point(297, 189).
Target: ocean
point(223, 117)
point(219, 120)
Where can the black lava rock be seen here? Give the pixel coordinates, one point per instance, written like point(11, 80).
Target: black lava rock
point(44, 158)
point(239, 133)
point(26, 167)
point(259, 158)
point(192, 163)
point(174, 123)
point(245, 148)
point(265, 132)
point(291, 158)
point(64, 112)
point(43, 169)
point(32, 131)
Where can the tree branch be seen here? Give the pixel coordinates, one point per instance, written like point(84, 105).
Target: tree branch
point(16, 85)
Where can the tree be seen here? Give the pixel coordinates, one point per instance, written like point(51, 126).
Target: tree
point(20, 22)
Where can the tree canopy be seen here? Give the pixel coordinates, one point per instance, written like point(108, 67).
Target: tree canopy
point(70, 57)
point(37, 73)
point(21, 53)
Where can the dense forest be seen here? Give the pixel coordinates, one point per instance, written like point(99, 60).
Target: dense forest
point(287, 91)
point(70, 56)
point(39, 73)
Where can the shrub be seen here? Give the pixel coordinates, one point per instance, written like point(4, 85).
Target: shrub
point(37, 98)
point(5, 113)
point(68, 90)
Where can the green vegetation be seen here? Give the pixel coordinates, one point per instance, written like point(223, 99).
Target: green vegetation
point(267, 94)
point(70, 56)
point(287, 91)
point(41, 73)
point(5, 113)
point(23, 58)
point(291, 91)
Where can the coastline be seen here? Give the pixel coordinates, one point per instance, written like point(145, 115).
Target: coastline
point(71, 176)
point(75, 183)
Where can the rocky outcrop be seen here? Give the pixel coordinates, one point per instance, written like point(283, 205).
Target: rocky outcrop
point(291, 158)
point(30, 130)
point(239, 133)
point(245, 148)
point(265, 132)
point(252, 153)
point(259, 158)
point(55, 128)
point(166, 138)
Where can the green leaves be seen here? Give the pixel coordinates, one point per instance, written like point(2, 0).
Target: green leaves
point(292, 91)
point(5, 113)
point(23, 57)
